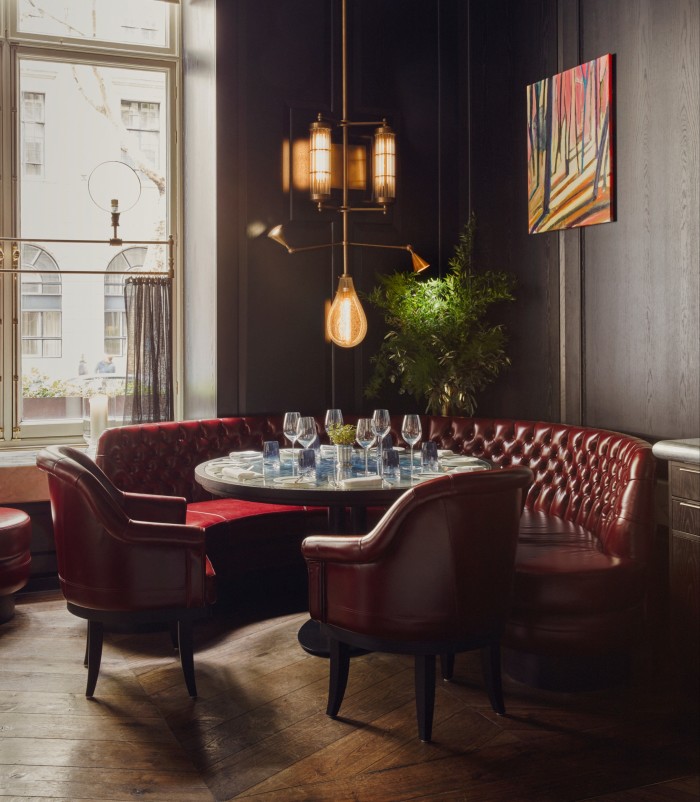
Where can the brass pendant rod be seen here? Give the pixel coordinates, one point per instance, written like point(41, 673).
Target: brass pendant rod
point(344, 207)
point(346, 243)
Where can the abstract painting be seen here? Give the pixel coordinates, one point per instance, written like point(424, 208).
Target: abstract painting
point(569, 148)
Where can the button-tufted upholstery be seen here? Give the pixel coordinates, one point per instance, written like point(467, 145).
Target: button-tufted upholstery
point(584, 544)
point(585, 535)
point(160, 458)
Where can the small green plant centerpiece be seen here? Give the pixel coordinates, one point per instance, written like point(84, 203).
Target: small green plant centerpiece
point(440, 348)
point(342, 437)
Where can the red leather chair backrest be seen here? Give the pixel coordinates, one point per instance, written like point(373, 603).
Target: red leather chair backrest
point(439, 563)
point(106, 560)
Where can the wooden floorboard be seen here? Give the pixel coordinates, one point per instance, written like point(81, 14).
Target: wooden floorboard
point(258, 730)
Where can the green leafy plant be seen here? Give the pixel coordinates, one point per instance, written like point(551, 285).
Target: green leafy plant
point(440, 348)
point(41, 385)
point(342, 435)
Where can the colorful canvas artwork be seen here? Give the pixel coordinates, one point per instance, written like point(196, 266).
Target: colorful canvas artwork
point(569, 146)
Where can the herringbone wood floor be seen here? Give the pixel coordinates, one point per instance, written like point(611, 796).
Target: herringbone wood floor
point(258, 729)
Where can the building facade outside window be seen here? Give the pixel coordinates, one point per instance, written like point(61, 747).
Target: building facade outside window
point(33, 134)
point(93, 84)
point(130, 259)
point(41, 304)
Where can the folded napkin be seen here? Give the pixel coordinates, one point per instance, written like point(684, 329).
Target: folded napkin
point(240, 474)
point(361, 482)
point(445, 452)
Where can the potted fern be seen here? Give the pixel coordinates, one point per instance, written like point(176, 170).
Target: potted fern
point(440, 348)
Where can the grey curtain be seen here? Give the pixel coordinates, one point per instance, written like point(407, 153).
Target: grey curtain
point(149, 360)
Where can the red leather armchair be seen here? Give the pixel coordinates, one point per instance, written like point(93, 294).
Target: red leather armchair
point(124, 558)
point(434, 577)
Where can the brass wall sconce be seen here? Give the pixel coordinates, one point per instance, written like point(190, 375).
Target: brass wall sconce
point(346, 323)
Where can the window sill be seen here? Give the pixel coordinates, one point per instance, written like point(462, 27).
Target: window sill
point(20, 480)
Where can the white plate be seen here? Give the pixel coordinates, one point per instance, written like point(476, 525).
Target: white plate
point(245, 455)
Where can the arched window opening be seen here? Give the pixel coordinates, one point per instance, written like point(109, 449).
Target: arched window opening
point(41, 304)
point(115, 311)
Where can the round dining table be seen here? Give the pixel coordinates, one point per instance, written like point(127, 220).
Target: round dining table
point(241, 475)
point(328, 488)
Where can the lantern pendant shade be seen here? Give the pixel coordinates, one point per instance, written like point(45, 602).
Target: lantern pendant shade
point(319, 160)
point(384, 165)
point(346, 324)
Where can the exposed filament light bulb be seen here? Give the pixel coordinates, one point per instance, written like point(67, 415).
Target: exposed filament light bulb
point(346, 324)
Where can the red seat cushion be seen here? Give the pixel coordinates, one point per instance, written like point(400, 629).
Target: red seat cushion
point(221, 510)
point(560, 567)
point(245, 536)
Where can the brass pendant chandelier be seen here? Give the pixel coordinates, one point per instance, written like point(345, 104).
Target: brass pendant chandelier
point(346, 323)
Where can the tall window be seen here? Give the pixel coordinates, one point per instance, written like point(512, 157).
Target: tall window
point(83, 83)
point(33, 133)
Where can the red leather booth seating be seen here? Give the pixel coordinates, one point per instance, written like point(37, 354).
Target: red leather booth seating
point(584, 545)
point(242, 536)
point(15, 557)
point(585, 534)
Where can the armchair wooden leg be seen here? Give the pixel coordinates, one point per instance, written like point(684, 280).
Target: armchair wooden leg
point(94, 655)
point(186, 646)
point(339, 670)
point(447, 665)
point(425, 694)
point(491, 666)
point(87, 646)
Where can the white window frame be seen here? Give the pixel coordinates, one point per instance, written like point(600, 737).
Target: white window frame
point(15, 433)
point(172, 48)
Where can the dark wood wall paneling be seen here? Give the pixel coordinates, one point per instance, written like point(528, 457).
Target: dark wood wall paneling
point(403, 64)
point(642, 291)
point(512, 45)
point(605, 326)
point(605, 329)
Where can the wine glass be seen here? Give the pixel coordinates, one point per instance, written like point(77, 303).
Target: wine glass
point(289, 427)
point(365, 437)
point(411, 431)
point(334, 417)
point(381, 423)
point(306, 431)
point(306, 434)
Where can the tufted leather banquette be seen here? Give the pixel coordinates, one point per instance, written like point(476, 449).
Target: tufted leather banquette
point(585, 534)
point(242, 536)
point(583, 549)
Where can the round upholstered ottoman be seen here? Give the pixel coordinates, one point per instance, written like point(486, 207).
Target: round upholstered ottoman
point(15, 557)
